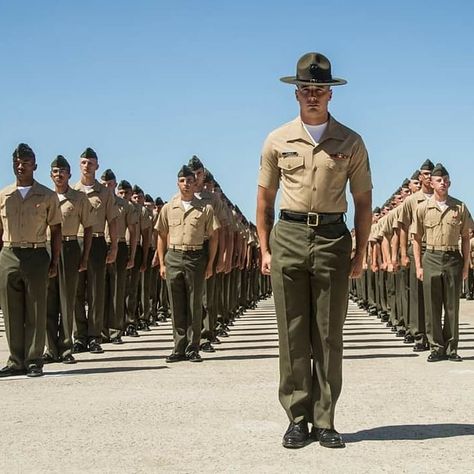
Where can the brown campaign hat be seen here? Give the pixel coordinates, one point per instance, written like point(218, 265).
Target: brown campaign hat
point(313, 69)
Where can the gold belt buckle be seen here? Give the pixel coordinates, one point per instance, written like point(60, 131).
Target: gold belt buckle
point(313, 219)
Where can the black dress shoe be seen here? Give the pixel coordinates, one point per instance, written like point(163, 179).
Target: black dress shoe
point(116, 340)
point(11, 372)
point(455, 357)
point(207, 347)
point(49, 359)
point(68, 359)
point(95, 348)
point(409, 339)
point(78, 347)
point(389, 324)
point(328, 438)
point(384, 317)
point(132, 331)
point(436, 356)
point(175, 357)
point(401, 333)
point(420, 347)
point(296, 436)
point(193, 356)
point(34, 371)
point(215, 340)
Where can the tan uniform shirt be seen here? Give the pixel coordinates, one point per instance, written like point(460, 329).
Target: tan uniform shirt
point(76, 210)
point(313, 178)
point(217, 204)
point(26, 220)
point(390, 222)
point(154, 220)
point(126, 216)
point(186, 228)
point(103, 204)
point(144, 222)
point(442, 228)
point(408, 212)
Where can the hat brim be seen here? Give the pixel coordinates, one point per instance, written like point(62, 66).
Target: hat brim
point(336, 81)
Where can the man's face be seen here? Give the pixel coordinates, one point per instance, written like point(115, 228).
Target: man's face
point(425, 178)
point(150, 206)
point(404, 193)
point(313, 99)
point(209, 186)
point(60, 176)
point(138, 198)
point(186, 184)
point(24, 168)
point(157, 210)
point(109, 184)
point(88, 167)
point(125, 194)
point(375, 217)
point(199, 176)
point(415, 185)
point(440, 184)
point(471, 233)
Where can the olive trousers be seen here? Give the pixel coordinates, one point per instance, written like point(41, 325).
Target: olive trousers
point(309, 276)
point(23, 292)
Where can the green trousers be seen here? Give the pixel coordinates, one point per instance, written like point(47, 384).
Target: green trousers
point(23, 293)
point(310, 280)
point(209, 319)
point(442, 278)
point(115, 284)
point(145, 288)
point(61, 301)
point(185, 281)
point(91, 289)
point(417, 304)
point(133, 281)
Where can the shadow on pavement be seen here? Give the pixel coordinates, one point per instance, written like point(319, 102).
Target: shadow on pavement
point(103, 370)
point(378, 356)
point(411, 432)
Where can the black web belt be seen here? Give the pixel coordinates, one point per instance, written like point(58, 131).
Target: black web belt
point(312, 219)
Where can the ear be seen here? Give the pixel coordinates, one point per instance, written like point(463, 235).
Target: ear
point(330, 95)
point(36, 166)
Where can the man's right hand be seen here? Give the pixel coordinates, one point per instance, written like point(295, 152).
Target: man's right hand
point(266, 263)
point(405, 260)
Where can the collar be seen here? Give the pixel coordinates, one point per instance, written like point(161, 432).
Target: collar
point(35, 189)
point(297, 131)
point(195, 203)
point(432, 204)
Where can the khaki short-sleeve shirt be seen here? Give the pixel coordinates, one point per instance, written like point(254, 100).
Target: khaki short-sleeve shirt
point(126, 216)
point(186, 228)
point(103, 203)
point(313, 178)
point(408, 212)
point(26, 220)
point(390, 222)
point(76, 210)
point(442, 229)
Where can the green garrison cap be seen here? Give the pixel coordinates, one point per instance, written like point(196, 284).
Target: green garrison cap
point(195, 163)
point(439, 170)
point(148, 198)
point(108, 175)
point(186, 171)
point(137, 189)
point(313, 69)
point(23, 151)
point(415, 175)
point(405, 183)
point(60, 162)
point(159, 202)
point(89, 153)
point(427, 165)
point(376, 210)
point(124, 184)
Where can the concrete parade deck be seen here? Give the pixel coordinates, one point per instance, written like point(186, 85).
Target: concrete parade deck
point(128, 411)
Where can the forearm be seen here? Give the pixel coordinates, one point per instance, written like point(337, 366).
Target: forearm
point(394, 245)
point(162, 246)
point(113, 233)
point(362, 220)
point(403, 242)
point(213, 244)
point(265, 217)
point(466, 251)
point(145, 243)
point(133, 241)
point(87, 243)
point(417, 251)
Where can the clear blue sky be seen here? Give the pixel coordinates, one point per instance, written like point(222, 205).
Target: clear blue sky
point(147, 84)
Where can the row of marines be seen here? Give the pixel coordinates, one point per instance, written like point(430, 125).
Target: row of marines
point(420, 251)
point(92, 262)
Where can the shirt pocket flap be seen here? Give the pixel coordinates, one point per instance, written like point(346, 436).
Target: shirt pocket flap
point(290, 163)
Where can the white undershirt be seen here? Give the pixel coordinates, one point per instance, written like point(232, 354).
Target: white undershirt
point(198, 195)
point(315, 131)
point(61, 197)
point(428, 196)
point(88, 188)
point(23, 190)
point(442, 205)
point(186, 205)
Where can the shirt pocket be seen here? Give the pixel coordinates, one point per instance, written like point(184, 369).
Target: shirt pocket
point(292, 170)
